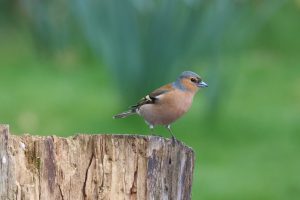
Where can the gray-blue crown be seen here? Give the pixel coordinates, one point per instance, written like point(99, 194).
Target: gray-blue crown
point(186, 74)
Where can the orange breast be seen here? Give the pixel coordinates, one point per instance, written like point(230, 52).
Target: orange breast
point(168, 108)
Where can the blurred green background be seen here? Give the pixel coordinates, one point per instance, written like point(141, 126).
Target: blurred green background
point(68, 66)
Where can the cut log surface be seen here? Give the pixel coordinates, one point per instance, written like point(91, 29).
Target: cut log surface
point(86, 167)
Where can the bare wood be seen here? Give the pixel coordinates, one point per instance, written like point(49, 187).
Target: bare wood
point(89, 167)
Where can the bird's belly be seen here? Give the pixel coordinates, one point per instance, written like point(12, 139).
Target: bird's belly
point(160, 114)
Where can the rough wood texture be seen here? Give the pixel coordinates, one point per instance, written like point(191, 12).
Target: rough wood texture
point(94, 167)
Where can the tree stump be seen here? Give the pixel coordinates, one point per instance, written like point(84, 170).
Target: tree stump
point(94, 167)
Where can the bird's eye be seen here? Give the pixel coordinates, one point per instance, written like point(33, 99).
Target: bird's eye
point(194, 80)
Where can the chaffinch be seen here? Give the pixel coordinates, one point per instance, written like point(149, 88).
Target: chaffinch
point(166, 104)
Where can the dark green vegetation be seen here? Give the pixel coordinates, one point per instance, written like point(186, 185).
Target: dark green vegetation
point(247, 149)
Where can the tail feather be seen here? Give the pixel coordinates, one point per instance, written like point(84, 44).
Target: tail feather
point(124, 114)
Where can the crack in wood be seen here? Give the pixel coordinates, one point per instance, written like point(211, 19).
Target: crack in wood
point(133, 187)
point(86, 176)
point(70, 187)
point(50, 163)
point(61, 193)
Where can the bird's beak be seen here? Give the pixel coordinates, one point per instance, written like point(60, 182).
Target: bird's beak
point(202, 84)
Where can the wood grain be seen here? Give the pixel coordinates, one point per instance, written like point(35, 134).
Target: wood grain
point(87, 167)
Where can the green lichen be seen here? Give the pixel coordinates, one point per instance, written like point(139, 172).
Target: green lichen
point(33, 161)
point(38, 163)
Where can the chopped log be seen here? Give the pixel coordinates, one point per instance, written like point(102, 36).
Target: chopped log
point(89, 167)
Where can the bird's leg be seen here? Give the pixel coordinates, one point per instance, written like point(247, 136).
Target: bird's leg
point(173, 137)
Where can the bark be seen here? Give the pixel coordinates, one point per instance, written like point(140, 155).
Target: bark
point(88, 167)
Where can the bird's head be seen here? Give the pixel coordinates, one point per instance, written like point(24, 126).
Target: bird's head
point(191, 81)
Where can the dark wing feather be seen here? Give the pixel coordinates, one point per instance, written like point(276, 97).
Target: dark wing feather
point(152, 97)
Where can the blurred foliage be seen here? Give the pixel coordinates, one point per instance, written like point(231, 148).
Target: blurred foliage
point(60, 65)
point(149, 40)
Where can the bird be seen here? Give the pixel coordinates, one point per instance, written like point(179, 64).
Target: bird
point(168, 103)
